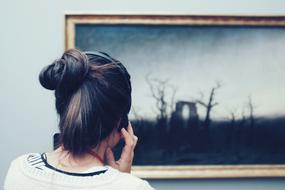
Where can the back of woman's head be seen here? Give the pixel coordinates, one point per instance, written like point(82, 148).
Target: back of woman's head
point(93, 93)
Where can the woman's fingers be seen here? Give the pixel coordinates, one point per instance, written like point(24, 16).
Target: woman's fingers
point(127, 137)
point(135, 140)
point(131, 132)
point(127, 153)
point(130, 143)
point(124, 164)
point(130, 129)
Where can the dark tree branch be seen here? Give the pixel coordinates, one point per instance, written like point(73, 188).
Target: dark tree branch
point(210, 104)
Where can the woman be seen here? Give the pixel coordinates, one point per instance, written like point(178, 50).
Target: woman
point(93, 99)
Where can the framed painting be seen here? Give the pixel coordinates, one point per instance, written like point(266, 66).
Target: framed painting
point(208, 91)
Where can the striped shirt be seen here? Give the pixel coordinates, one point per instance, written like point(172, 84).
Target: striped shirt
point(39, 161)
point(32, 171)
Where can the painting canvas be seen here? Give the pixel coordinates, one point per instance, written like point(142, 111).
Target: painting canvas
point(205, 93)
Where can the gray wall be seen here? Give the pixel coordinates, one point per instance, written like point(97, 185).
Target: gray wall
point(32, 35)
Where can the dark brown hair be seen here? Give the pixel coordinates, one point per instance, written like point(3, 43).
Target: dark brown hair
point(92, 94)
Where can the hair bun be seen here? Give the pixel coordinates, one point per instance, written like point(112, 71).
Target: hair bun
point(66, 73)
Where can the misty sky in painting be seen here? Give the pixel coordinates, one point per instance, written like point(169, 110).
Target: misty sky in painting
point(247, 61)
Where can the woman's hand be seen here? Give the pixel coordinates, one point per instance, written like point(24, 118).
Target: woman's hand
point(124, 164)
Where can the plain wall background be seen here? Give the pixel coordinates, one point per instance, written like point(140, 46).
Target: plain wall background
point(32, 35)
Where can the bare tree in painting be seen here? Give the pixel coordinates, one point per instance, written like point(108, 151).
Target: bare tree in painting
point(251, 112)
point(161, 92)
point(251, 108)
point(233, 119)
point(158, 89)
point(209, 105)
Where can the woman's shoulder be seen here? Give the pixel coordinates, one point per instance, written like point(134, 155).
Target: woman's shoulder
point(15, 170)
point(23, 158)
point(129, 180)
point(17, 163)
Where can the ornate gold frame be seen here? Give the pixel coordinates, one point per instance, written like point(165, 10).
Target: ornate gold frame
point(182, 172)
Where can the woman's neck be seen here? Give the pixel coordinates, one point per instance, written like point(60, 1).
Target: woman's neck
point(64, 160)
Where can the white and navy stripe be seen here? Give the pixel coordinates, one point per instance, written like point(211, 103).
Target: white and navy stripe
point(39, 161)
